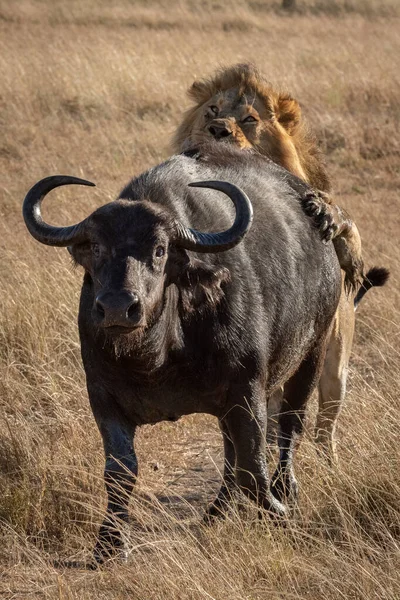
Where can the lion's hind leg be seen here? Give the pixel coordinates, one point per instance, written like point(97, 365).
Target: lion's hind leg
point(332, 383)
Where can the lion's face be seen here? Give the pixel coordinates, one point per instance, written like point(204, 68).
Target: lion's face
point(230, 117)
point(243, 118)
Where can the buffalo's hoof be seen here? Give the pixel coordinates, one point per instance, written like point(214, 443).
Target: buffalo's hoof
point(103, 554)
point(110, 546)
point(214, 512)
point(275, 510)
point(284, 486)
point(274, 507)
point(219, 508)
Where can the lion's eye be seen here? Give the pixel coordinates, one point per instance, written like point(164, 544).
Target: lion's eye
point(214, 109)
point(249, 119)
point(160, 251)
point(96, 250)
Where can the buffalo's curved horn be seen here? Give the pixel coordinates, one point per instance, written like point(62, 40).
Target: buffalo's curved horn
point(41, 231)
point(224, 240)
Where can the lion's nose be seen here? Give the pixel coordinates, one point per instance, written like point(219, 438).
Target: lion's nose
point(220, 130)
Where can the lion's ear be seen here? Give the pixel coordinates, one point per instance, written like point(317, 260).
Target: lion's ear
point(288, 113)
point(200, 91)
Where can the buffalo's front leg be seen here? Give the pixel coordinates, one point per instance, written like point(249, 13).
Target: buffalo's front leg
point(246, 422)
point(120, 474)
point(228, 487)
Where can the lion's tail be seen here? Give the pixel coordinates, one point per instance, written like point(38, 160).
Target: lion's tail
point(376, 277)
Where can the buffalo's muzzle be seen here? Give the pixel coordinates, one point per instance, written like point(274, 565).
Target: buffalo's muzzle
point(118, 309)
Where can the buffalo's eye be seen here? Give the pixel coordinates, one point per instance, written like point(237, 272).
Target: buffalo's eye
point(96, 250)
point(159, 251)
point(249, 119)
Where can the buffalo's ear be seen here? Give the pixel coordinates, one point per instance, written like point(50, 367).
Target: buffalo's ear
point(199, 283)
point(288, 113)
point(81, 255)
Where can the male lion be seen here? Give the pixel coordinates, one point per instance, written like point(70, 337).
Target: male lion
point(239, 106)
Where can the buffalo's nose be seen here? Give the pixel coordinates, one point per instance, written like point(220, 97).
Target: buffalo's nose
point(118, 309)
point(220, 130)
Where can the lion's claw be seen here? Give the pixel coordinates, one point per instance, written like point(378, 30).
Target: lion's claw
point(312, 209)
point(315, 205)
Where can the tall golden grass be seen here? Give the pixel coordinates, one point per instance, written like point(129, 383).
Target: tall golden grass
point(95, 89)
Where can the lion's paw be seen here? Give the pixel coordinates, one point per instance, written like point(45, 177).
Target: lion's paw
point(315, 205)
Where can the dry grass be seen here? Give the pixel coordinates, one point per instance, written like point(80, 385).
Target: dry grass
point(95, 89)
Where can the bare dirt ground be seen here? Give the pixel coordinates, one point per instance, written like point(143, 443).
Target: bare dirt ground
point(95, 89)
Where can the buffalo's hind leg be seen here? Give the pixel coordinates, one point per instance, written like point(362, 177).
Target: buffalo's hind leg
point(119, 475)
point(246, 422)
point(297, 392)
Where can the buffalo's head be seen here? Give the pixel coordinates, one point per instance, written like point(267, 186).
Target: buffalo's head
point(132, 250)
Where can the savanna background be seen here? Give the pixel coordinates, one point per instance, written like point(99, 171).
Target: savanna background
point(94, 88)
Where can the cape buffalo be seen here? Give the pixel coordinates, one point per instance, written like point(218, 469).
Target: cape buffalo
point(175, 320)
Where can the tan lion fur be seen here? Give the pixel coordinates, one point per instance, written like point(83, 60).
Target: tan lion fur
point(283, 136)
point(281, 133)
